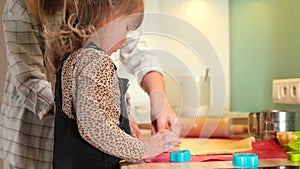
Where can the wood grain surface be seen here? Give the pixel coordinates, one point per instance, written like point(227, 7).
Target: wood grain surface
point(204, 165)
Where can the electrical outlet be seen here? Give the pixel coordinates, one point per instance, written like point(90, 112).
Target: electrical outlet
point(286, 91)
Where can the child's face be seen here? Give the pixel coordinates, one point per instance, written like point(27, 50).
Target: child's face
point(113, 35)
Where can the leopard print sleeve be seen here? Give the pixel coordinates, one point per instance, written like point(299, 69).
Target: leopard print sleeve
point(97, 106)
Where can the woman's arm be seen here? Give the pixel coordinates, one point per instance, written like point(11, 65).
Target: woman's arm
point(162, 115)
point(144, 65)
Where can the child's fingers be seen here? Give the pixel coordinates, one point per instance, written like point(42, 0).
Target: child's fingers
point(168, 140)
point(170, 137)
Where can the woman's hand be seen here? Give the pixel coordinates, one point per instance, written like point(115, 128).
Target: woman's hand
point(162, 115)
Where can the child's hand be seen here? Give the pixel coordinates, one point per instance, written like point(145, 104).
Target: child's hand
point(135, 131)
point(285, 137)
point(159, 143)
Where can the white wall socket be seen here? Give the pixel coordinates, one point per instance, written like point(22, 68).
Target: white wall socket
point(286, 91)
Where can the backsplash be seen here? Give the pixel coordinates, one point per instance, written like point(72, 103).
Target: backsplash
point(264, 44)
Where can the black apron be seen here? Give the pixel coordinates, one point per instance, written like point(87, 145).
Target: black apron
point(71, 151)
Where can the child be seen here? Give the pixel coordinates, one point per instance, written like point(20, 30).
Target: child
point(91, 125)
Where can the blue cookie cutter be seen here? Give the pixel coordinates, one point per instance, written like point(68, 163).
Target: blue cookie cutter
point(245, 160)
point(180, 156)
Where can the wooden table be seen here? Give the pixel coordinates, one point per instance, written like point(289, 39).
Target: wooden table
point(204, 165)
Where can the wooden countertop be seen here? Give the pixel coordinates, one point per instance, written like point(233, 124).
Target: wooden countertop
point(200, 165)
point(204, 165)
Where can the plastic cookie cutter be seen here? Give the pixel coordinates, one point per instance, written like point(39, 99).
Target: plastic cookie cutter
point(245, 160)
point(180, 156)
point(295, 145)
point(168, 144)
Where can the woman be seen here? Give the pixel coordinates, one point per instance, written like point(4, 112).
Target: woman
point(26, 125)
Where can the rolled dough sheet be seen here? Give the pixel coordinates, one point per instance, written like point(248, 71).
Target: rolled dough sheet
point(215, 146)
